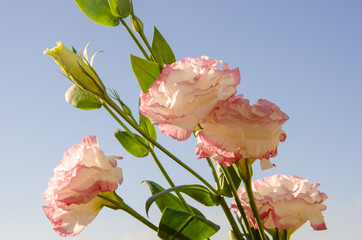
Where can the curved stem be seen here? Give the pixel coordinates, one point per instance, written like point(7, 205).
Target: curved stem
point(238, 203)
point(113, 105)
point(169, 180)
point(231, 219)
point(123, 206)
point(135, 39)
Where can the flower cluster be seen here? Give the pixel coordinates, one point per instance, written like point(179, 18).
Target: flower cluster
point(72, 193)
point(192, 96)
point(185, 93)
point(194, 91)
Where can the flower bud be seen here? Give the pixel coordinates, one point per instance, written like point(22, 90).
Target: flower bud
point(136, 24)
point(78, 70)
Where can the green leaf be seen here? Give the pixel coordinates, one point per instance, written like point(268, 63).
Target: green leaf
point(197, 192)
point(98, 11)
point(124, 7)
point(162, 50)
point(147, 126)
point(114, 7)
point(225, 189)
point(180, 225)
point(120, 8)
point(145, 71)
point(168, 200)
point(81, 99)
point(132, 143)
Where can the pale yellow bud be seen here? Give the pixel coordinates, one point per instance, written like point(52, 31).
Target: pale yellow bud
point(77, 69)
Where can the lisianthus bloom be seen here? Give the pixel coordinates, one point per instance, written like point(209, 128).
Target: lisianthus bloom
point(185, 93)
point(235, 130)
point(285, 202)
point(72, 193)
point(77, 68)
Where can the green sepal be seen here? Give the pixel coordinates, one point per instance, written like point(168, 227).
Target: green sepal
point(232, 236)
point(98, 11)
point(145, 71)
point(180, 225)
point(133, 143)
point(197, 192)
point(81, 99)
point(168, 200)
point(224, 186)
point(161, 49)
point(283, 234)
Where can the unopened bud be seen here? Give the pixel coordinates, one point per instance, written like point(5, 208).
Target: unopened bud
point(78, 71)
point(136, 24)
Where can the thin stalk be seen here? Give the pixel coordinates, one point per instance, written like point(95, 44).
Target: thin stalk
point(214, 173)
point(144, 39)
point(238, 203)
point(165, 174)
point(135, 39)
point(116, 118)
point(169, 180)
point(231, 219)
point(254, 208)
point(115, 107)
point(123, 206)
point(122, 124)
point(135, 214)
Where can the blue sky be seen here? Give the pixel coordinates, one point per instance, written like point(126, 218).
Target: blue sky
point(305, 56)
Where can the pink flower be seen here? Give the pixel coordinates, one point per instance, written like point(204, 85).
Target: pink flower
point(184, 94)
point(285, 202)
point(236, 130)
point(72, 193)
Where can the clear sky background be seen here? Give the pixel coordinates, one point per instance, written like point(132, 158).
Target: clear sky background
point(303, 55)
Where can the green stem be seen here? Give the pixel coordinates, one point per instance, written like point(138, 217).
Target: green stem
point(116, 118)
point(169, 180)
point(115, 107)
point(165, 174)
point(248, 233)
point(213, 173)
point(231, 219)
point(123, 206)
point(135, 39)
point(254, 208)
point(123, 125)
point(144, 39)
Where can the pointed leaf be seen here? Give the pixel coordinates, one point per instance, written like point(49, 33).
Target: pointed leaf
point(132, 143)
point(168, 200)
point(180, 225)
point(225, 189)
point(197, 192)
point(147, 126)
point(162, 50)
point(98, 11)
point(145, 71)
point(81, 99)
